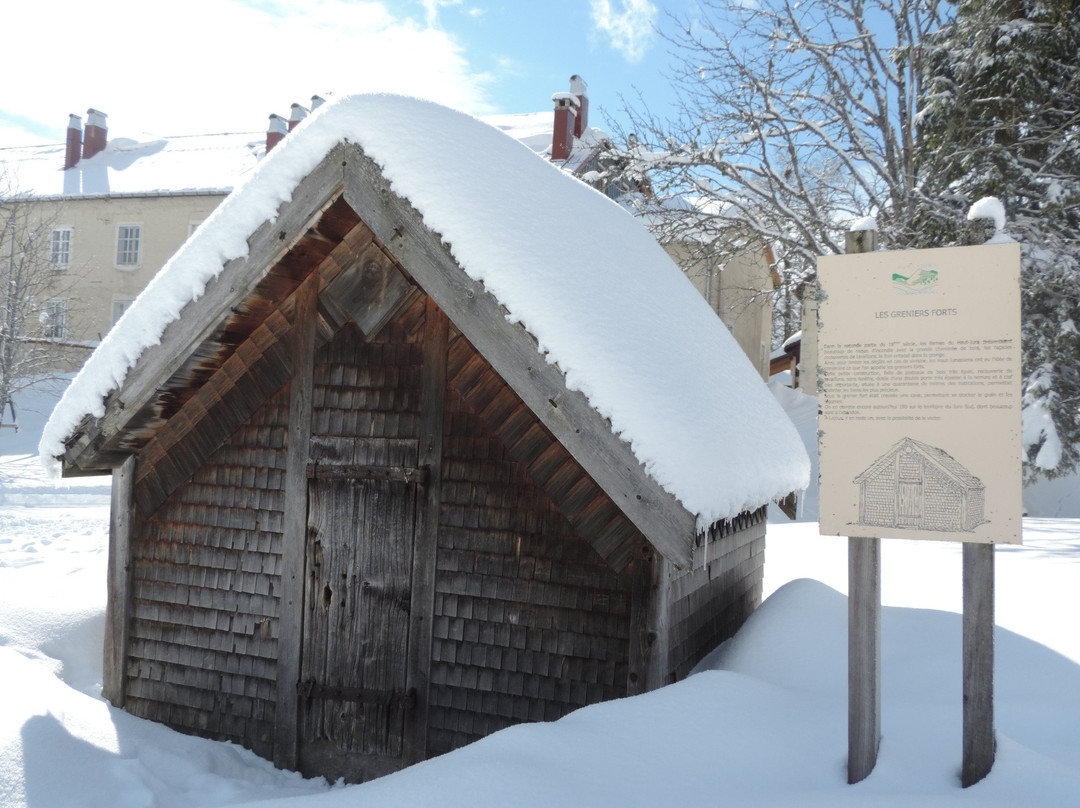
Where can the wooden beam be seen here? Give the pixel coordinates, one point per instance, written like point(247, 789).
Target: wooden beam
point(650, 606)
point(290, 621)
point(514, 355)
point(864, 623)
point(118, 606)
point(864, 656)
point(182, 336)
point(978, 662)
point(426, 537)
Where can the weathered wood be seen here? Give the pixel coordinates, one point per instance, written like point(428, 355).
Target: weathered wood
point(426, 541)
point(978, 662)
point(118, 607)
point(356, 623)
point(225, 401)
point(368, 292)
point(864, 656)
point(864, 623)
point(514, 355)
point(400, 474)
point(860, 241)
point(650, 622)
point(182, 336)
point(290, 621)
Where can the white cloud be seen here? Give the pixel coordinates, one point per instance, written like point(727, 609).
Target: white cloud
point(222, 65)
point(431, 10)
point(629, 29)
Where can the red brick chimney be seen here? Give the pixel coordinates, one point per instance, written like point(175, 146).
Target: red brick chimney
point(74, 142)
point(579, 88)
point(96, 135)
point(297, 114)
point(562, 140)
point(276, 131)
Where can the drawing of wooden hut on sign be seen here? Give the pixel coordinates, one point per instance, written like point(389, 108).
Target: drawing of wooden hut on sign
point(416, 438)
point(921, 487)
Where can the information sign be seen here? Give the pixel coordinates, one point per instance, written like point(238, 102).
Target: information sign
point(919, 360)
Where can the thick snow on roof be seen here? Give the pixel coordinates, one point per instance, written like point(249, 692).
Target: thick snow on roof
point(213, 163)
point(601, 297)
point(191, 164)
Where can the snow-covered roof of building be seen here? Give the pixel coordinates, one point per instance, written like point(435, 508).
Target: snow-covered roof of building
point(214, 163)
point(127, 167)
point(601, 298)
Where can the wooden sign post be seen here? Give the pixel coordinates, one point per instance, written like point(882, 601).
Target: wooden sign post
point(864, 623)
point(978, 663)
point(919, 361)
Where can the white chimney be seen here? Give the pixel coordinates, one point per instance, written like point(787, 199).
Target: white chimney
point(579, 88)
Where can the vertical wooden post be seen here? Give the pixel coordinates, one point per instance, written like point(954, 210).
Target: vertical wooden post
point(649, 621)
point(864, 623)
point(291, 620)
point(864, 655)
point(978, 662)
point(118, 607)
point(426, 537)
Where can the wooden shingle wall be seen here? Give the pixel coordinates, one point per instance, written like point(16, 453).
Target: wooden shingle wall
point(713, 599)
point(530, 621)
point(203, 633)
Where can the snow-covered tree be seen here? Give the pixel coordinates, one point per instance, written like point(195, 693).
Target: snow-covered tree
point(1001, 117)
point(35, 310)
point(794, 119)
point(797, 118)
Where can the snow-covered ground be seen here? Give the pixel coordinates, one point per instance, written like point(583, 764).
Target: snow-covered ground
point(764, 725)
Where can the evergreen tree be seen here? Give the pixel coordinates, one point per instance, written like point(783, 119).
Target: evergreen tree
point(1001, 117)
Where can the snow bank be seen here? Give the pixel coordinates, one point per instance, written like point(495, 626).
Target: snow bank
point(763, 724)
point(601, 297)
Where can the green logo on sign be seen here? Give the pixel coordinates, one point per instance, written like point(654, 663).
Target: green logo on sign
point(919, 283)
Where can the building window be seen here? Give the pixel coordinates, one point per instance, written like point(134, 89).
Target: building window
point(55, 320)
point(119, 306)
point(128, 238)
point(60, 248)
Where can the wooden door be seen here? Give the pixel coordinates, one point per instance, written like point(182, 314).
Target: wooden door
point(909, 497)
point(352, 696)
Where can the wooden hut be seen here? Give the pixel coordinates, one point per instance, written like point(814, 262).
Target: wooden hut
point(921, 487)
point(359, 518)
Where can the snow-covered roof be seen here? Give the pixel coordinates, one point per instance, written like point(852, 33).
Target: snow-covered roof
point(214, 163)
point(602, 299)
point(186, 164)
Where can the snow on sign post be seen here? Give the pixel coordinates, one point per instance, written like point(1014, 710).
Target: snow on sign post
point(919, 353)
point(919, 367)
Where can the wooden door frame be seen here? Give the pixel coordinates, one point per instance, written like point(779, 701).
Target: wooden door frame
point(426, 535)
point(425, 540)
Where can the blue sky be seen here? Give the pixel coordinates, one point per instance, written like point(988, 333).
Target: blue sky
point(225, 65)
